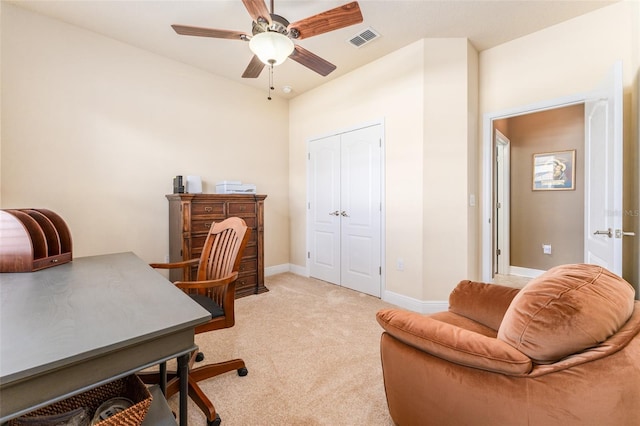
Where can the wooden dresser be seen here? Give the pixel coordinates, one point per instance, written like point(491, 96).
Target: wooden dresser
point(190, 217)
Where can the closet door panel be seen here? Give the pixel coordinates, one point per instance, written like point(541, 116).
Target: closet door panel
point(324, 205)
point(361, 210)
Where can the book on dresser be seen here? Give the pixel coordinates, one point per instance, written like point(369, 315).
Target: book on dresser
point(191, 216)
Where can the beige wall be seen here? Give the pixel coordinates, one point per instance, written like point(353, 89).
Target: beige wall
point(421, 92)
point(450, 75)
point(568, 59)
point(95, 130)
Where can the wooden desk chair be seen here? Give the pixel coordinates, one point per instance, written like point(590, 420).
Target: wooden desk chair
point(214, 290)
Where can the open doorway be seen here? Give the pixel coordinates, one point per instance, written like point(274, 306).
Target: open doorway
point(536, 229)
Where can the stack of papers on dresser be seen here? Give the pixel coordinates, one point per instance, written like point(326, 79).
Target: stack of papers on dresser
point(235, 187)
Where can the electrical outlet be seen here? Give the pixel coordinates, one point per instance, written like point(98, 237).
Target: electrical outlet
point(546, 248)
point(400, 264)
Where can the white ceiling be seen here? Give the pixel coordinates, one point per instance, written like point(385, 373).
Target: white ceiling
point(146, 24)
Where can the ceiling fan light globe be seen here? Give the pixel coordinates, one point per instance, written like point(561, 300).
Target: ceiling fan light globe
point(270, 47)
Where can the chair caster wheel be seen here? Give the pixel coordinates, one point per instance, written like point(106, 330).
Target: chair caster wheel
point(243, 371)
point(199, 357)
point(214, 422)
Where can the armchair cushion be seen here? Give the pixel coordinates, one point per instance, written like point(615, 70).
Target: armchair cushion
point(567, 309)
point(483, 303)
point(453, 343)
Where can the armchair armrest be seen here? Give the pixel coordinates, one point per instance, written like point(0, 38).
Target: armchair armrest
point(175, 265)
point(483, 303)
point(192, 285)
point(453, 343)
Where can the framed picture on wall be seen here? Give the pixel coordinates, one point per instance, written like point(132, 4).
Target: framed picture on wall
point(554, 171)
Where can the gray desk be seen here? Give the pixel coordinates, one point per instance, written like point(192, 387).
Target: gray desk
point(73, 327)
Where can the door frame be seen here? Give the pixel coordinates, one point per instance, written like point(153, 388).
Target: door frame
point(383, 233)
point(488, 196)
point(503, 182)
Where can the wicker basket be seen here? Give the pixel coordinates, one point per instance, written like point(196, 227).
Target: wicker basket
point(130, 387)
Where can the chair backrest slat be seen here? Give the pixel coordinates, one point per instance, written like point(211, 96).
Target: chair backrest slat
point(219, 256)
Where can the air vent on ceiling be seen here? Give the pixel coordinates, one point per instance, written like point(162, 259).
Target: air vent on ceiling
point(364, 37)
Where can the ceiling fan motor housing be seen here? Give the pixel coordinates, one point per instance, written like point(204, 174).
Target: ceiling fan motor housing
point(278, 25)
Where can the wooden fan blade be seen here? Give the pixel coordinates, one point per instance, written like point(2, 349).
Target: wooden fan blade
point(257, 9)
point(208, 32)
point(312, 61)
point(254, 68)
point(332, 19)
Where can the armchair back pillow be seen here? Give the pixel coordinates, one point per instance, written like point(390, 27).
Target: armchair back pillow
point(567, 309)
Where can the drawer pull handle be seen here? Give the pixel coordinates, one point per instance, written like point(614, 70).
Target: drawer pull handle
point(207, 225)
point(208, 209)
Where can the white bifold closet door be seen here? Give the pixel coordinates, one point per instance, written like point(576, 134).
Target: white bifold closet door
point(345, 209)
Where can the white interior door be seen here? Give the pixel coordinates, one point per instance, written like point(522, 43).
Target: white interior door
point(360, 210)
point(345, 209)
point(324, 209)
point(603, 173)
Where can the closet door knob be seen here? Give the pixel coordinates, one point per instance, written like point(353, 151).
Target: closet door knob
point(336, 213)
point(343, 213)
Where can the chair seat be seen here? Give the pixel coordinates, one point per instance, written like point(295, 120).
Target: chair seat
point(209, 304)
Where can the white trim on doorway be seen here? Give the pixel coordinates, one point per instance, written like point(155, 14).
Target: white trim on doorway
point(503, 207)
point(488, 201)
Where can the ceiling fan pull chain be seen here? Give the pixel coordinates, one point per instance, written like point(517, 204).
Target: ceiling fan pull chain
point(270, 81)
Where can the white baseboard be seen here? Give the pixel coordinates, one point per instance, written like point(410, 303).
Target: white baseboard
point(277, 269)
point(286, 267)
point(525, 272)
point(299, 270)
point(415, 305)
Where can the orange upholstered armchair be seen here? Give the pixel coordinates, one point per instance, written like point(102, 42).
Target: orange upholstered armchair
point(564, 350)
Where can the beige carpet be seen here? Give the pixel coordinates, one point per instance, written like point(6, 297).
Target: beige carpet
point(312, 351)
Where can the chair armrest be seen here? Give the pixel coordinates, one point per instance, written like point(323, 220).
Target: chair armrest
point(175, 265)
point(192, 285)
point(483, 303)
point(453, 343)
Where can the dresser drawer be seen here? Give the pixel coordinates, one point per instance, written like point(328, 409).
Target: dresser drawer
point(202, 208)
point(197, 242)
point(251, 223)
point(246, 285)
point(242, 209)
point(250, 251)
point(200, 229)
point(253, 238)
point(248, 266)
point(199, 225)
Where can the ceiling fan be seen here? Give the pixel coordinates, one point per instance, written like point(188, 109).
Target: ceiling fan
point(271, 38)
